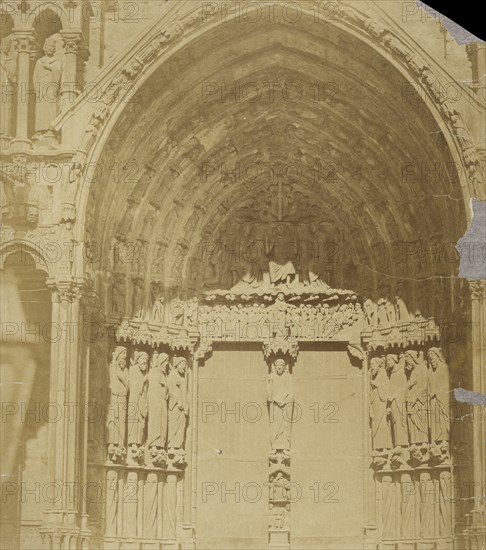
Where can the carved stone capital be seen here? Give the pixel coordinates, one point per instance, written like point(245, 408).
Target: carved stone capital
point(71, 41)
point(23, 41)
point(66, 291)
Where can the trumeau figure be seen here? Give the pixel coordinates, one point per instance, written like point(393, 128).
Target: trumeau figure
point(8, 77)
point(280, 404)
point(157, 396)
point(47, 83)
point(178, 405)
point(396, 400)
point(137, 402)
point(380, 428)
point(439, 396)
point(117, 413)
point(416, 397)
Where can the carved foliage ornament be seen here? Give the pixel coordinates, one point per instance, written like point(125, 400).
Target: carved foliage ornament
point(281, 346)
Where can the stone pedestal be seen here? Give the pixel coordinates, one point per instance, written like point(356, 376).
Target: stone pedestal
point(279, 539)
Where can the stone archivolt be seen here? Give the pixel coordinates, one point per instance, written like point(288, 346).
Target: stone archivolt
point(171, 172)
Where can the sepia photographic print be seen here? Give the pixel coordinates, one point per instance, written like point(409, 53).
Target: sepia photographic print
point(243, 276)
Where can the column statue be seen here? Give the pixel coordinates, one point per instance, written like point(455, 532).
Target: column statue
point(157, 407)
point(396, 401)
point(380, 427)
point(178, 405)
point(137, 403)
point(117, 412)
point(280, 405)
point(439, 396)
point(416, 397)
point(47, 83)
point(8, 78)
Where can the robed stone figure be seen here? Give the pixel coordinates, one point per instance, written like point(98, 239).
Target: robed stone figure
point(178, 405)
point(416, 398)
point(280, 401)
point(396, 400)
point(137, 401)
point(439, 396)
point(47, 85)
point(380, 427)
point(8, 77)
point(157, 401)
point(117, 412)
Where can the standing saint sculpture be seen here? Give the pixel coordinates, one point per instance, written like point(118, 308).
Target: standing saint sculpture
point(280, 401)
point(47, 83)
point(439, 396)
point(117, 412)
point(416, 398)
point(396, 400)
point(380, 427)
point(137, 402)
point(178, 405)
point(8, 77)
point(157, 405)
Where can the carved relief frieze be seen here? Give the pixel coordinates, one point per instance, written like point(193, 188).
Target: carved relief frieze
point(389, 324)
point(315, 316)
